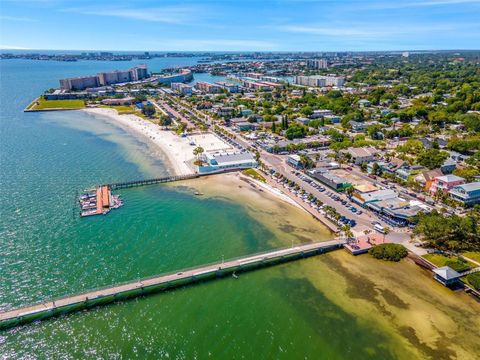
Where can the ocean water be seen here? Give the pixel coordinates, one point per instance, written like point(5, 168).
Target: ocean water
point(333, 306)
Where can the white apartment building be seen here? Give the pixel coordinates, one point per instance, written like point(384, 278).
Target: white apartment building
point(317, 64)
point(320, 80)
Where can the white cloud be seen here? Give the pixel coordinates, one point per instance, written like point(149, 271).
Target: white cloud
point(410, 4)
point(16, 18)
point(211, 45)
point(12, 47)
point(361, 31)
point(167, 14)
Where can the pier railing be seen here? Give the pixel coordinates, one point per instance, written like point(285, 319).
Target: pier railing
point(135, 183)
point(143, 286)
point(321, 245)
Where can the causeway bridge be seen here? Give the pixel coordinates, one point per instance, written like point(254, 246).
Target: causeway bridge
point(97, 297)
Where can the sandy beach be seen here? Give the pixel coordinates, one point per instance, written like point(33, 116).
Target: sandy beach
point(177, 149)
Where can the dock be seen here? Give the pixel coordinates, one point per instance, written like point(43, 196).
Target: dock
point(115, 293)
point(98, 201)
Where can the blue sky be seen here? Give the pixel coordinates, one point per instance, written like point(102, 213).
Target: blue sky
point(240, 25)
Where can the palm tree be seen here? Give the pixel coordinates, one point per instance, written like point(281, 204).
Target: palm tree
point(367, 232)
point(197, 151)
point(347, 232)
point(386, 231)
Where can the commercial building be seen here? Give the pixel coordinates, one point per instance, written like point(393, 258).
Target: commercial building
point(317, 64)
point(295, 161)
point(225, 161)
point(333, 181)
point(181, 88)
point(105, 78)
point(225, 111)
point(369, 195)
point(467, 194)
point(116, 102)
point(359, 156)
point(320, 80)
point(66, 95)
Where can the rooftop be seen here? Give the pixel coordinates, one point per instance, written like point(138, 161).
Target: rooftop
point(474, 186)
point(446, 273)
point(449, 178)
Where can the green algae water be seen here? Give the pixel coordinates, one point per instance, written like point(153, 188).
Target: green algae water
point(332, 306)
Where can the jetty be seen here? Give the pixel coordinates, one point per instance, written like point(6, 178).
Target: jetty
point(115, 293)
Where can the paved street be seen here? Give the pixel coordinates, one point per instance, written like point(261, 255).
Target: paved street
point(278, 163)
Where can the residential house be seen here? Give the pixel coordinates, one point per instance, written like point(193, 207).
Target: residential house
point(425, 178)
point(445, 183)
point(357, 126)
point(302, 120)
point(405, 172)
point(364, 103)
point(388, 167)
point(467, 194)
point(448, 166)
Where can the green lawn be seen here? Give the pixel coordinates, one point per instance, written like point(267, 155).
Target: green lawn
point(121, 109)
point(474, 255)
point(453, 261)
point(253, 174)
point(41, 104)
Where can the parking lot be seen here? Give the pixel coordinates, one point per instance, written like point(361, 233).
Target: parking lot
point(210, 142)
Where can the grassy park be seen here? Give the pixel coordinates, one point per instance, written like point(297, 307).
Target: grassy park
point(452, 261)
point(42, 104)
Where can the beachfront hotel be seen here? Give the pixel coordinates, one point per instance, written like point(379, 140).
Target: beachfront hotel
point(105, 78)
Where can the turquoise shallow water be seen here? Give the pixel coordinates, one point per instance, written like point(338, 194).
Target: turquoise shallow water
point(326, 307)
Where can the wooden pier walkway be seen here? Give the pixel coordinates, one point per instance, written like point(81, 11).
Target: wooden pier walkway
point(136, 288)
point(135, 183)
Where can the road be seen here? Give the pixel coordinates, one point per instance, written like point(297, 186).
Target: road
point(278, 163)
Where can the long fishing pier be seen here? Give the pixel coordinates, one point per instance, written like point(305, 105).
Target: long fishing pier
point(97, 297)
point(136, 183)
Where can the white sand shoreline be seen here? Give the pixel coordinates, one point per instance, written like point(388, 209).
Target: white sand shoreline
point(176, 149)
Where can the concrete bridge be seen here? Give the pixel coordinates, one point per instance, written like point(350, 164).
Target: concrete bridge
point(40, 311)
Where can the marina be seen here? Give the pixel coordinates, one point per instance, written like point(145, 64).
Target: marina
point(98, 201)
